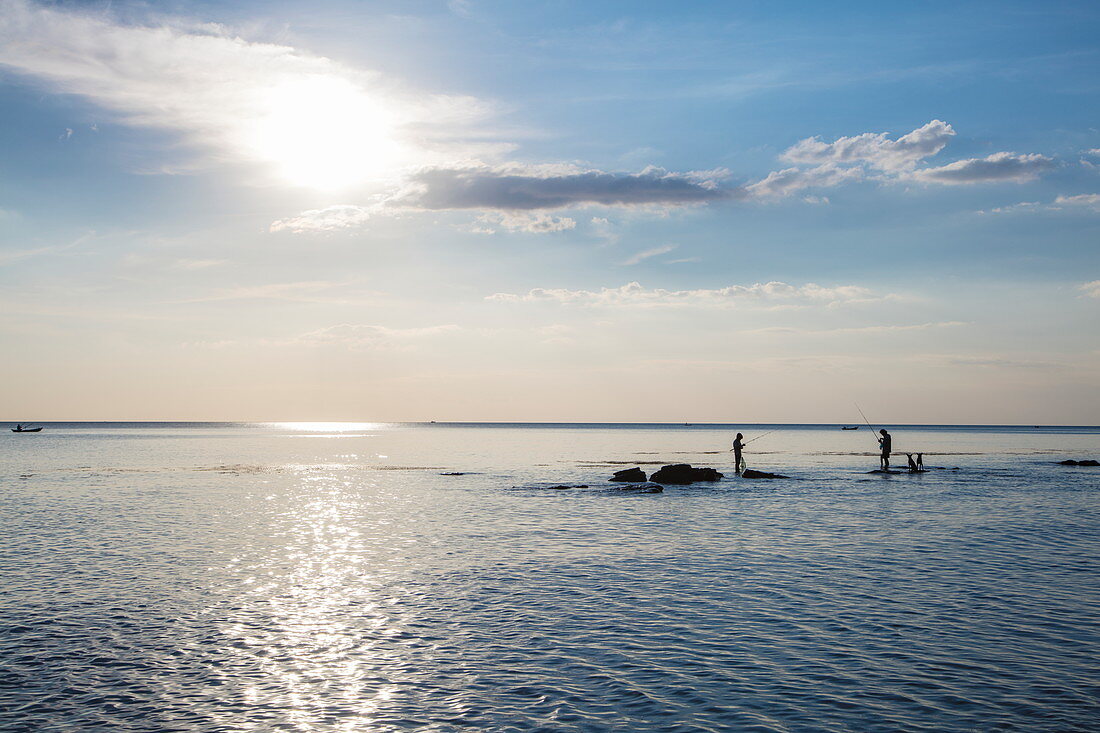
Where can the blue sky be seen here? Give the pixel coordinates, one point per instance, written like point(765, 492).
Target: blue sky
point(552, 211)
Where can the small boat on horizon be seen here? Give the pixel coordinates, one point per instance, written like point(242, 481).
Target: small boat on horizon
point(853, 428)
point(21, 429)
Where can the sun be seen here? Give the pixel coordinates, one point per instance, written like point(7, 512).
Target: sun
point(324, 132)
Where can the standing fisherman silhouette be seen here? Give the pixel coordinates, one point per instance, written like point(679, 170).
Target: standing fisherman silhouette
point(886, 443)
point(737, 446)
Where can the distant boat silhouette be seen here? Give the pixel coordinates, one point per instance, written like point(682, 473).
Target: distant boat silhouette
point(855, 428)
point(21, 429)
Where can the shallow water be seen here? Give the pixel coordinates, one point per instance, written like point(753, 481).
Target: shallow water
point(319, 577)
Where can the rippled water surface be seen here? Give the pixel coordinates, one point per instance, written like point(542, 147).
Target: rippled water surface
point(329, 577)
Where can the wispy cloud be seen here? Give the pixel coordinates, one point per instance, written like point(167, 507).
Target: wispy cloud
point(785, 330)
point(1091, 289)
point(190, 264)
point(1010, 167)
point(365, 336)
point(785, 182)
point(307, 291)
point(1085, 202)
point(330, 218)
point(603, 228)
point(633, 294)
point(646, 254)
point(536, 222)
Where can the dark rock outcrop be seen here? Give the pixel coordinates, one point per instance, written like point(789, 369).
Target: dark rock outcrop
point(683, 473)
point(568, 486)
point(646, 488)
point(749, 473)
point(633, 475)
point(1087, 462)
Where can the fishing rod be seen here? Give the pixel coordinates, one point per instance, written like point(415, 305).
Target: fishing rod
point(758, 437)
point(865, 420)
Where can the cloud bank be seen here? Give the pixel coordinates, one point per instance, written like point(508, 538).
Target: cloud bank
point(513, 188)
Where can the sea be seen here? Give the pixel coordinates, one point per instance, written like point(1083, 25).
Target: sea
point(437, 577)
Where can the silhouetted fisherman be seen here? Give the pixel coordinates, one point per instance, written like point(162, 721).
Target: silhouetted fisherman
point(886, 443)
point(737, 446)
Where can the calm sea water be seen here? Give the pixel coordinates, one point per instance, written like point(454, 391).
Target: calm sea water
point(328, 578)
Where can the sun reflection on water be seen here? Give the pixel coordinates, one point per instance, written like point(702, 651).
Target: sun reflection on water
point(330, 427)
point(311, 632)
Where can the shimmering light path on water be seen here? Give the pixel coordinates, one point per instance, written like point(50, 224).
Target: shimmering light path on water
point(315, 578)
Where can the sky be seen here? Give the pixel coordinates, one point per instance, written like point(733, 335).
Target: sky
point(561, 211)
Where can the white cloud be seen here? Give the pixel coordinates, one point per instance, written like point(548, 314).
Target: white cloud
point(537, 222)
point(874, 149)
point(330, 218)
point(785, 182)
point(849, 159)
point(633, 294)
point(1084, 200)
point(1091, 289)
point(1011, 167)
point(604, 229)
point(646, 254)
point(1022, 207)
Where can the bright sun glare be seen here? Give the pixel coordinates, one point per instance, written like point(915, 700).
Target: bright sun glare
point(325, 133)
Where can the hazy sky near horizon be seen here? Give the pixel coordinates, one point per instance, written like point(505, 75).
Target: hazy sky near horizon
point(592, 211)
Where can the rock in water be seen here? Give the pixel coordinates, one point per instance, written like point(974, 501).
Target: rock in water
point(749, 473)
point(633, 475)
point(683, 473)
point(1086, 462)
point(647, 488)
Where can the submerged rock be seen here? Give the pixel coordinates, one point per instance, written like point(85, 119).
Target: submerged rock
point(1086, 462)
point(633, 475)
point(647, 488)
point(683, 473)
point(749, 473)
